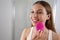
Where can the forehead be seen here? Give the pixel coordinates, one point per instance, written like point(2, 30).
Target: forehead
point(38, 7)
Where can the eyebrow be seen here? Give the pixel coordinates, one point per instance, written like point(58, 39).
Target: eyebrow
point(38, 9)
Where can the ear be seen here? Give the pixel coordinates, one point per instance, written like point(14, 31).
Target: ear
point(48, 16)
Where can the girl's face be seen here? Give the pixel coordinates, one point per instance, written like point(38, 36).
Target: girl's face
point(38, 13)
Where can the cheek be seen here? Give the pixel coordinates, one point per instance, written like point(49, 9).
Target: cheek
point(42, 18)
point(45, 18)
point(30, 16)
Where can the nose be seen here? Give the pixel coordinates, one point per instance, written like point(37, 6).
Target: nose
point(35, 15)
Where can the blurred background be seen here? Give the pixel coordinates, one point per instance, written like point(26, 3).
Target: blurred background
point(14, 17)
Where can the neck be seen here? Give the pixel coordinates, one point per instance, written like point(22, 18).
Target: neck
point(45, 29)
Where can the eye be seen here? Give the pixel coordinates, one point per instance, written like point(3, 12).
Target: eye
point(32, 11)
point(39, 12)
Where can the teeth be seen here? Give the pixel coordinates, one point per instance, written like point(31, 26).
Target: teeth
point(34, 20)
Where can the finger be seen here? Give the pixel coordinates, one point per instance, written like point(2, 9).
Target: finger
point(38, 32)
point(41, 33)
point(34, 36)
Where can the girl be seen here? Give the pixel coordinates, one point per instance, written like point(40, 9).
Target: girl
point(41, 11)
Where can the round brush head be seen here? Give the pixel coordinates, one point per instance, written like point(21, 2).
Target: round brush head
point(39, 26)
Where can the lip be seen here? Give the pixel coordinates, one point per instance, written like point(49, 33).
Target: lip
point(35, 21)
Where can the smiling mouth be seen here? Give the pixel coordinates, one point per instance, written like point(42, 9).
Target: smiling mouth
point(35, 21)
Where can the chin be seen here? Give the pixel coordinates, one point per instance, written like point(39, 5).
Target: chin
point(34, 24)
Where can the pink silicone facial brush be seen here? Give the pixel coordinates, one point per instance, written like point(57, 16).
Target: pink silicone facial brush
point(39, 26)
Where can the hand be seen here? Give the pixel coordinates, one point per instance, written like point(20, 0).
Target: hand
point(37, 35)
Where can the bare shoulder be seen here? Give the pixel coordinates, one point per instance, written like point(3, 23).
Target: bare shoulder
point(25, 33)
point(55, 36)
point(59, 36)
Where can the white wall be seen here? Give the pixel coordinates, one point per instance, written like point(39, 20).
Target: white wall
point(6, 20)
point(20, 17)
point(57, 19)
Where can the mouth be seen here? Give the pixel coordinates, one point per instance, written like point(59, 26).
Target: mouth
point(35, 20)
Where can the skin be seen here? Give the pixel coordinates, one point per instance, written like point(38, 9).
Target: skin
point(38, 13)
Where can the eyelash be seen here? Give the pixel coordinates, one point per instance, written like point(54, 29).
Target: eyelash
point(32, 11)
point(37, 12)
